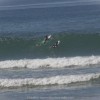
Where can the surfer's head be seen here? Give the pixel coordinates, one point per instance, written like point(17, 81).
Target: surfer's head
point(58, 41)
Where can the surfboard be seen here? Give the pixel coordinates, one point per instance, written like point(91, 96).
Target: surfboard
point(40, 43)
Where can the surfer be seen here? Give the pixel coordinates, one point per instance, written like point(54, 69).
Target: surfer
point(56, 44)
point(47, 37)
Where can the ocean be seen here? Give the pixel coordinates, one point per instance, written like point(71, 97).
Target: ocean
point(32, 70)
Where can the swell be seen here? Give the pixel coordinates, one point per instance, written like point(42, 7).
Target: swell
point(32, 47)
point(56, 80)
point(48, 4)
point(51, 62)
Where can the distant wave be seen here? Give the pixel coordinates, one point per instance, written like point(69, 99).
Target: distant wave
point(51, 4)
point(51, 62)
point(58, 80)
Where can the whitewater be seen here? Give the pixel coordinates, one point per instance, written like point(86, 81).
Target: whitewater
point(28, 71)
point(55, 80)
point(63, 62)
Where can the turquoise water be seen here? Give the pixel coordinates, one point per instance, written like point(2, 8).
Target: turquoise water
point(31, 70)
point(32, 47)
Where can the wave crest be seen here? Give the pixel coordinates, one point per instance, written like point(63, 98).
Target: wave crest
point(7, 83)
point(51, 62)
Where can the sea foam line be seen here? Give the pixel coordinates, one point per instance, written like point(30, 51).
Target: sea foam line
point(50, 62)
point(56, 80)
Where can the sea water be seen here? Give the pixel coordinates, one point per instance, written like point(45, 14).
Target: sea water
point(31, 70)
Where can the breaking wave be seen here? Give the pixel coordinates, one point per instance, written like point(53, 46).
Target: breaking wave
point(51, 62)
point(56, 80)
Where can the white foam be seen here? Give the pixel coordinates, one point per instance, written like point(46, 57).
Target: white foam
point(47, 81)
point(51, 62)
